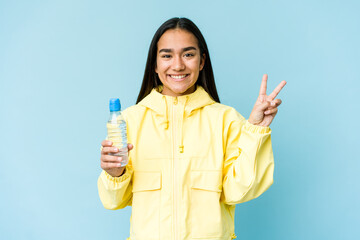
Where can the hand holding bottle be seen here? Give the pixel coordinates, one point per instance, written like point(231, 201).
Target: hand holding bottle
point(110, 163)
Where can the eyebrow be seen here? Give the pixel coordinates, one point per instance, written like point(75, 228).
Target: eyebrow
point(170, 49)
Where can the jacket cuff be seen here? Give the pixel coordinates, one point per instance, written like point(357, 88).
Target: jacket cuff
point(256, 129)
point(128, 172)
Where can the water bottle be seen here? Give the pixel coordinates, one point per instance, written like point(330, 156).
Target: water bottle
point(116, 128)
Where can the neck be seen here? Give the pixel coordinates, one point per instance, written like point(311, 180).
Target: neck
point(172, 94)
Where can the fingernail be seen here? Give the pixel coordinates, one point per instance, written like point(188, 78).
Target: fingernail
point(119, 158)
point(115, 149)
point(109, 142)
point(266, 112)
point(272, 103)
point(119, 164)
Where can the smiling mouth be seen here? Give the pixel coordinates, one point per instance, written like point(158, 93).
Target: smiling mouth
point(179, 77)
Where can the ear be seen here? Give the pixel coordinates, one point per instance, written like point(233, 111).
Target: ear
point(202, 61)
point(156, 68)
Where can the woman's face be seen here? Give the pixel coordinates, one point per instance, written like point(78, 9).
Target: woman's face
point(178, 62)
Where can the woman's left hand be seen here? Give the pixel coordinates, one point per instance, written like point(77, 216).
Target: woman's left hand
point(266, 106)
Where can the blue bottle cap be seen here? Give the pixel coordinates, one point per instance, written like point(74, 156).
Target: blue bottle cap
point(114, 105)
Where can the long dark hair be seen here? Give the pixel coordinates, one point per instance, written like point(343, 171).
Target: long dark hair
point(206, 76)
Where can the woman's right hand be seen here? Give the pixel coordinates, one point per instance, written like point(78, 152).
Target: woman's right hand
point(111, 164)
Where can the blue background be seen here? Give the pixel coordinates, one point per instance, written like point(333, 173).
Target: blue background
point(61, 61)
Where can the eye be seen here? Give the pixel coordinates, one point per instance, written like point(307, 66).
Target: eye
point(189, 54)
point(166, 56)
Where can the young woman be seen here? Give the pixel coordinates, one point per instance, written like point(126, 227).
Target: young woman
point(192, 158)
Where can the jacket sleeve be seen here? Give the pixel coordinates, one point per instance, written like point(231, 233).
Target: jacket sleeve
point(116, 192)
point(248, 161)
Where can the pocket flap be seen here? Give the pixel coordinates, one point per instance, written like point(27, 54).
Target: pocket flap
point(207, 180)
point(146, 181)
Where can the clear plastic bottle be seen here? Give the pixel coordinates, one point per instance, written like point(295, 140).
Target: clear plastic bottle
point(116, 128)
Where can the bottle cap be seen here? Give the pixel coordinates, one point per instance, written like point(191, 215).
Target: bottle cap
point(114, 105)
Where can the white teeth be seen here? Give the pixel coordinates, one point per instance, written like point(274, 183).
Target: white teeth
point(178, 76)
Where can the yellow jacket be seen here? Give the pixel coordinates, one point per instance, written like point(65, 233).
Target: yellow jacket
point(193, 160)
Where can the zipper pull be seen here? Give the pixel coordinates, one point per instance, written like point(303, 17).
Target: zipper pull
point(181, 149)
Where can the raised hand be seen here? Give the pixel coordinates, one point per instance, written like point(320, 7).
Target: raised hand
point(266, 106)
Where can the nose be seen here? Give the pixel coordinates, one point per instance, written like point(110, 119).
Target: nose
point(178, 64)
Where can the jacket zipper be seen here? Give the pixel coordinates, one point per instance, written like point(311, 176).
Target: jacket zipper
point(174, 170)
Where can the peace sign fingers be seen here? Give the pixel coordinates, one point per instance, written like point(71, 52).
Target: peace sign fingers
point(266, 106)
point(276, 91)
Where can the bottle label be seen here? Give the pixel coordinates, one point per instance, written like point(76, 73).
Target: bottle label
point(117, 134)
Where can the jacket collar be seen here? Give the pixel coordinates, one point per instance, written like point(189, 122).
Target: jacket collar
point(157, 101)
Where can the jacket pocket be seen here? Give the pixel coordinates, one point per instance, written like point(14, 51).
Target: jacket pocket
point(145, 215)
point(206, 221)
